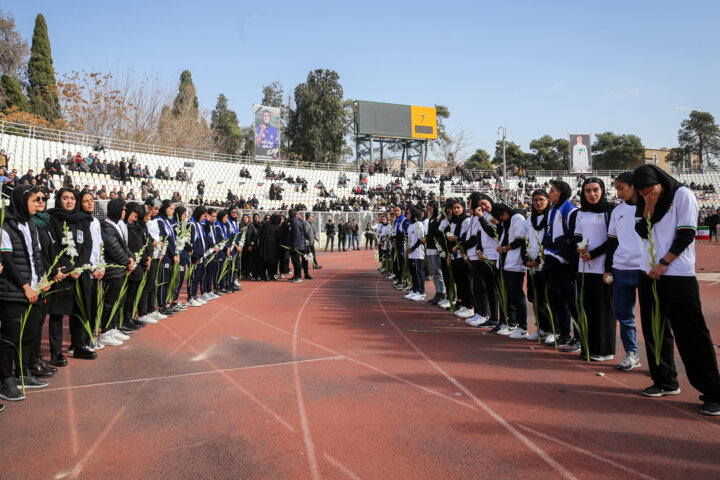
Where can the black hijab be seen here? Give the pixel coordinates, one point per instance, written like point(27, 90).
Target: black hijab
point(198, 212)
point(535, 214)
point(565, 191)
point(602, 206)
point(75, 216)
point(19, 202)
point(503, 225)
point(114, 209)
point(647, 176)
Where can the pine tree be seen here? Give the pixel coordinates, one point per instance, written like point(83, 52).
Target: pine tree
point(186, 101)
point(225, 128)
point(41, 75)
point(12, 94)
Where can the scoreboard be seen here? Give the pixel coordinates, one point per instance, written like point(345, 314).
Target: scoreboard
point(393, 120)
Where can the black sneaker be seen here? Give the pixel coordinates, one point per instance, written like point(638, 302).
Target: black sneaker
point(10, 392)
point(489, 323)
point(2, 407)
point(497, 327)
point(31, 382)
point(295, 280)
point(573, 346)
point(710, 408)
point(655, 391)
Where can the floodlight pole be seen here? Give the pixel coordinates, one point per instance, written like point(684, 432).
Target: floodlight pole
point(504, 183)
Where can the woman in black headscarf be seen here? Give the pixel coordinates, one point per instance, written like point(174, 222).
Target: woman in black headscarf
point(68, 214)
point(512, 230)
point(138, 241)
point(23, 269)
point(90, 280)
point(114, 234)
point(536, 286)
point(672, 211)
point(459, 224)
point(270, 247)
point(434, 263)
point(559, 269)
point(591, 229)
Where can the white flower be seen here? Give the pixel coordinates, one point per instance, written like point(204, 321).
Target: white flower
point(584, 244)
point(609, 279)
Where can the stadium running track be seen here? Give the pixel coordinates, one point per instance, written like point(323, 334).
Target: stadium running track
point(340, 377)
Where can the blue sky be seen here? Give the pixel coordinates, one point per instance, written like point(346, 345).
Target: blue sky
point(553, 67)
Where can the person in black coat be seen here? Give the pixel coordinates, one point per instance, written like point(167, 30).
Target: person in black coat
point(296, 241)
point(341, 236)
point(67, 214)
point(38, 366)
point(114, 235)
point(269, 247)
point(22, 270)
point(330, 234)
point(138, 237)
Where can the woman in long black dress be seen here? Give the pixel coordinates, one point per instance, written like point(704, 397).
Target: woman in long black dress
point(270, 246)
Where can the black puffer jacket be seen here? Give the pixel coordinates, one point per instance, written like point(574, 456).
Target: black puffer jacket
point(137, 237)
point(17, 270)
point(116, 250)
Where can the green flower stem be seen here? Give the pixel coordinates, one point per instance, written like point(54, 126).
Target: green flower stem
point(657, 320)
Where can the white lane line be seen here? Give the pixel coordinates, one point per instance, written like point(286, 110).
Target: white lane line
point(526, 441)
point(340, 467)
point(77, 470)
point(201, 328)
point(585, 452)
point(361, 363)
point(307, 438)
point(190, 374)
point(74, 440)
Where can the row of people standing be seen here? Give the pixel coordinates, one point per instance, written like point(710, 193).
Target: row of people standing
point(580, 266)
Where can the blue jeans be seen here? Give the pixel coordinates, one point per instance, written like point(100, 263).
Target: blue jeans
point(624, 288)
point(417, 272)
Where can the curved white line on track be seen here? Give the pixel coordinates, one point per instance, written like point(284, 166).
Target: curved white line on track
point(570, 446)
point(526, 441)
point(340, 467)
point(307, 438)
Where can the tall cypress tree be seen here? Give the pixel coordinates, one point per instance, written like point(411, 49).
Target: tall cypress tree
point(186, 100)
point(41, 75)
point(12, 94)
point(224, 124)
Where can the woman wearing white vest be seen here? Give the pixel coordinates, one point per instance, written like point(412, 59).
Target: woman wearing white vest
point(673, 212)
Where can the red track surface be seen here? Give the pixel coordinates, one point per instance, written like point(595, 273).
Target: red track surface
point(327, 379)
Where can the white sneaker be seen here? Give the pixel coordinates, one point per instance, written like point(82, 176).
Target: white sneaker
point(237, 284)
point(409, 295)
point(519, 333)
point(213, 295)
point(108, 339)
point(506, 330)
point(97, 344)
point(205, 297)
point(464, 312)
point(158, 316)
point(391, 276)
point(533, 337)
point(118, 335)
point(476, 320)
point(418, 297)
point(194, 303)
point(444, 304)
point(630, 361)
point(282, 275)
point(147, 319)
point(550, 339)
point(200, 300)
point(601, 358)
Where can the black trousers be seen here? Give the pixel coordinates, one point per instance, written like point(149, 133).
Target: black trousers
point(680, 305)
point(536, 294)
point(112, 292)
point(517, 305)
point(78, 335)
point(461, 275)
point(10, 322)
point(560, 279)
point(299, 262)
point(149, 293)
point(132, 292)
point(484, 292)
point(331, 240)
point(312, 250)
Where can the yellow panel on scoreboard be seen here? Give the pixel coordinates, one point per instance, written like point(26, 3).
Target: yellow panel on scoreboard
point(424, 122)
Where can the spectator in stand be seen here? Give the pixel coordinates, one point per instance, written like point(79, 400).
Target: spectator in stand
point(4, 159)
point(131, 194)
point(144, 191)
point(98, 146)
point(200, 189)
point(712, 221)
point(132, 163)
point(137, 172)
point(27, 177)
point(96, 166)
point(123, 170)
point(166, 174)
point(3, 175)
point(146, 172)
point(254, 202)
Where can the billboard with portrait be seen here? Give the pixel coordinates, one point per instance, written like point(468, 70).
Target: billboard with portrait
point(580, 154)
point(268, 128)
